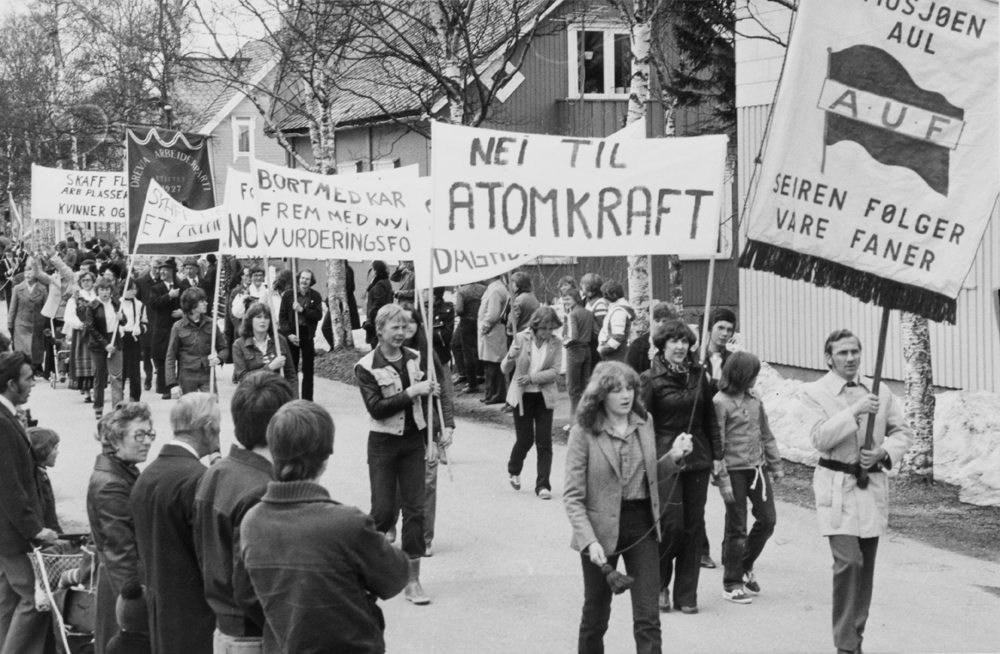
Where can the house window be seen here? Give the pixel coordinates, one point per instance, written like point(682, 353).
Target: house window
point(349, 167)
point(385, 164)
point(242, 137)
point(600, 62)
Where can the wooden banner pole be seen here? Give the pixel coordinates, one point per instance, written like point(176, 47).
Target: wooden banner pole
point(876, 384)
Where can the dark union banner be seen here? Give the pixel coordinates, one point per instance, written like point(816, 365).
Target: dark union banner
point(178, 161)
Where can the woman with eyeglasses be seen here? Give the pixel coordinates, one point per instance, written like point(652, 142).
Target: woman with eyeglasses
point(126, 435)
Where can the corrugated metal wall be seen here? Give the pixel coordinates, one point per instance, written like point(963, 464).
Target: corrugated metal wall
point(787, 322)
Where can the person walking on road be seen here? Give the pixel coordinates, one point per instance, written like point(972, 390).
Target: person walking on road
point(616, 330)
point(317, 566)
point(22, 627)
point(102, 323)
point(749, 448)
point(305, 306)
point(230, 488)
point(611, 497)
point(125, 435)
point(852, 515)
point(81, 362)
point(377, 295)
point(190, 357)
point(255, 348)
point(493, 340)
point(392, 382)
point(534, 361)
point(180, 619)
point(465, 342)
point(678, 396)
point(164, 311)
point(576, 336)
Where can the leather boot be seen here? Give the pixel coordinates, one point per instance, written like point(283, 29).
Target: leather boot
point(414, 591)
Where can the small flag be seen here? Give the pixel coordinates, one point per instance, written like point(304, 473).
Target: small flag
point(872, 100)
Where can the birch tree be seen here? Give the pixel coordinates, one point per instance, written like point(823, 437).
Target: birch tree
point(919, 403)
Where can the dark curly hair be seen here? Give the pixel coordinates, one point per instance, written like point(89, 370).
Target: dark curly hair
point(256, 309)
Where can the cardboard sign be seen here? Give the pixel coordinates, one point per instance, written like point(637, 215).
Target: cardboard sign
point(81, 195)
point(559, 195)
point(168, 227)
point(881, 169)
point(295, 213)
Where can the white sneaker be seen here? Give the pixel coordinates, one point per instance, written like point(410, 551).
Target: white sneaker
point(515, 482)
point(544, 494)
point(750, 584)
point(737, 595)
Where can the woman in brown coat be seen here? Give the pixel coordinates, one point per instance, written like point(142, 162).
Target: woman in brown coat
point(125, 434)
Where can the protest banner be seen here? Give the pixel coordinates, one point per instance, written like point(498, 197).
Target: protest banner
point(178, 161)
point(295, 213)
point(169, 228)
point(880, 170)
point(448, 266)
point(558, 195)
point(84, 195)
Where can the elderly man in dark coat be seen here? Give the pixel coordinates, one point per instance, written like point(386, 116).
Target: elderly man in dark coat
point(180, 620)
point(22, 628)
point(164, 310)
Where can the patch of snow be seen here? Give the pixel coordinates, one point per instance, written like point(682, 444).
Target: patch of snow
point(966, 435)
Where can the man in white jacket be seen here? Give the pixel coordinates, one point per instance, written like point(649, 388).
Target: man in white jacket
point(851, 514)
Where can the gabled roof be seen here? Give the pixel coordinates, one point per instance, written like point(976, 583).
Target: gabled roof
point(375, 87)
point(211, 88)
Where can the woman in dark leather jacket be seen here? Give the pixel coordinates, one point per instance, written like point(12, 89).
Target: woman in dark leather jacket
point(255, 348)
point(125, 434)
point(677, 393)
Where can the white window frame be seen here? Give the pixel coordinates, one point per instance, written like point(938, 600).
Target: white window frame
point(250, 123)
point(349, 167)
point(385, 164)
point(573, 39)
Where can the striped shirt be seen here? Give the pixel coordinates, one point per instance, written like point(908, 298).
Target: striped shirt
point(635, 485)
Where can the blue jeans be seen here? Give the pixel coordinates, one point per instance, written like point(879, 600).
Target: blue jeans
point(739, 551)
point(578, 368)
point(641, 564)
point(398, 461)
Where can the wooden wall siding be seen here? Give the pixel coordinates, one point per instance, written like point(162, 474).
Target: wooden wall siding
point(590, 118)
point(787, 322)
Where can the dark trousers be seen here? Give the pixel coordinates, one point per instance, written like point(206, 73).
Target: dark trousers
point(496, 384)
point(853, 575)
point(740, 552)
point(680, 551)
point(578, 367)
point(398, 461)
point(457, 354)
point(307, 351)
point(161, 374)
point(146, 355)
point(131, 356)
point(532, 426)
point(470, 349)
point(195, 382)
point(641, 564)
point(100, 378)
point(22, 628)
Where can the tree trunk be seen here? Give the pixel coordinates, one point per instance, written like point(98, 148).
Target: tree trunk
point(322, 137)
point(638, 265)
point(919, 402)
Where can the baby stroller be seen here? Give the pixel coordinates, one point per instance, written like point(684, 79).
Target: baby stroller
point(65, 584)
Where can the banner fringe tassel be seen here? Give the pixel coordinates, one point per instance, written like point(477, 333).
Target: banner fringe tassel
point(864, 286)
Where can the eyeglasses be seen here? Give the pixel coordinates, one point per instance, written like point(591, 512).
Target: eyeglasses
point(147, 436)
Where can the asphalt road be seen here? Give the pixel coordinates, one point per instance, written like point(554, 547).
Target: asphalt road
point(503, 578)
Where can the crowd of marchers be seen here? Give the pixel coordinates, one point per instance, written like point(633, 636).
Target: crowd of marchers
point(247, 552)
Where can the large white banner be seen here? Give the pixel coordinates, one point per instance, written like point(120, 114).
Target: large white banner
point(558, 195)
point(58, 194)
point(168, 227)
point(451, 267)
point(881, 169)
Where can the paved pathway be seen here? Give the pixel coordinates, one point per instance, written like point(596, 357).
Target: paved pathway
point(504, 579)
